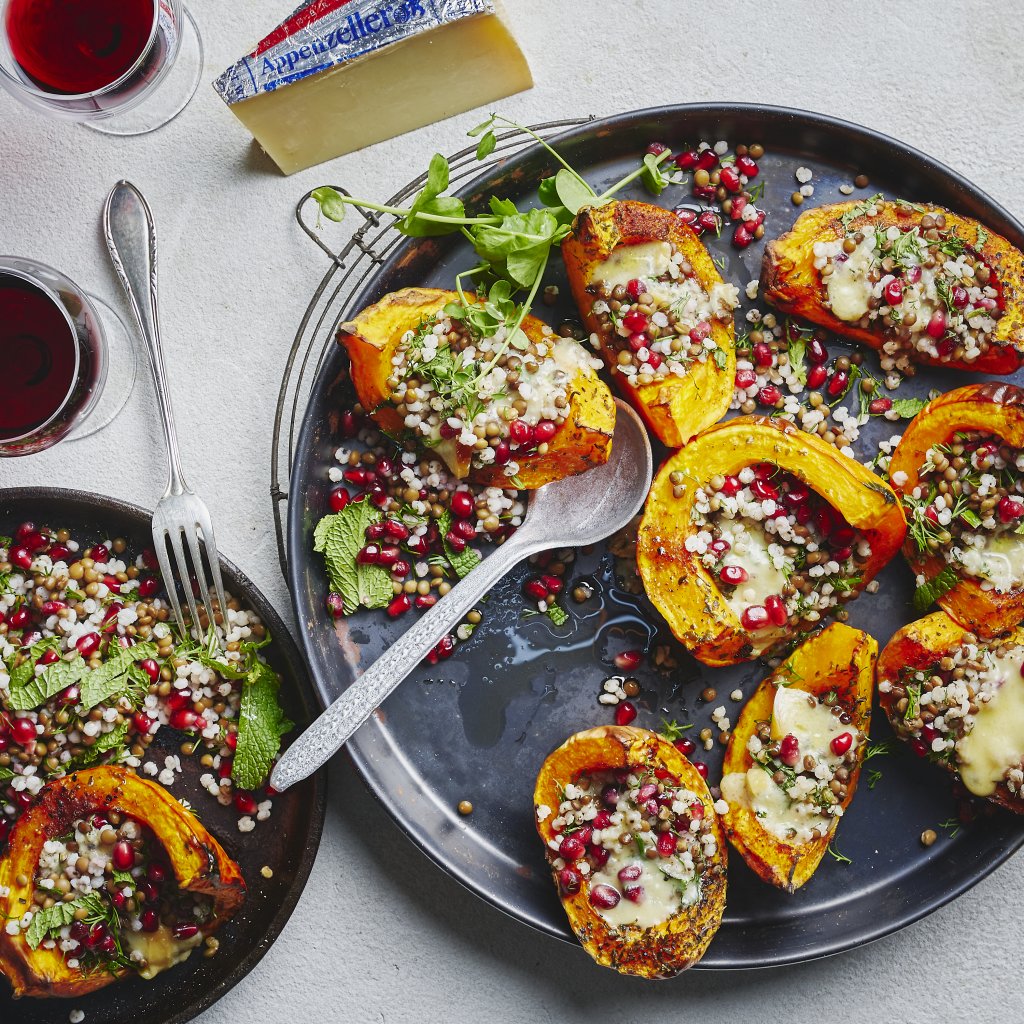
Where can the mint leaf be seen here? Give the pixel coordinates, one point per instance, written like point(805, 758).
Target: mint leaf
point(464, 561)
point(557, 614)
point(797, 349)
point(982, 237)
point(113, 740)
point(6, 773)
point(908, 408)
point(928, 593)
point(39, 689)
point(261, 724)
point(971, 518)
point(52, 919)
point(339, 538)
point(112, 677)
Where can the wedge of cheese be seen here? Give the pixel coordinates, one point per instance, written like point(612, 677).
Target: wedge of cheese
point(339, 75)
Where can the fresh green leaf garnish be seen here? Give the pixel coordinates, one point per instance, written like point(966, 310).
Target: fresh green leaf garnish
point(672, 730)
point(797, 349)
point(908, 408)
point(980, 240)
point(50, 920)
point(331, 202)
point(928, 593)
point(261, 724)
point(339, 538)
point(113, 676)
point(464, 561)
point(861, 209)
point(557, 614)
point(836, 855)
point(37, 690)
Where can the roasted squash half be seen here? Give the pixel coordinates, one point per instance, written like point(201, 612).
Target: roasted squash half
point(675, 408)
point(791, 282)
point(836, 667)
point(199, 862)
point(991, 408)
point(918, 684)
point(675, 578)
point(582, 441)
point(669, 946)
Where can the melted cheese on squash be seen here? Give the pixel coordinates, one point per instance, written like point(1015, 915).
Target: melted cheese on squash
point(996, 741)
point(663, 896)
point(1000, 561)
point(160, 948)
point(647, 259)
point(749, 548)
point(848, 286)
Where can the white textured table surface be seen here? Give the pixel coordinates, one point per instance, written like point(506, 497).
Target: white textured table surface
point(381, 935)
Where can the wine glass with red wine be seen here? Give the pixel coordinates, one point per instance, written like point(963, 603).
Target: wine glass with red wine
point(124, 67)
point(61, 350)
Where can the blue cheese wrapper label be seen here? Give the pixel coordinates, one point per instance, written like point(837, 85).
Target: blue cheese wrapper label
point(324, 34)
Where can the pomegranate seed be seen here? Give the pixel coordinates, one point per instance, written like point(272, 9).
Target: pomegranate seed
point(769, 395)
point(604, 897)
point(572, 847)
point(150, 920)
point(1009, 509)
point(894, 292)
point(720, 547)
point(48, 657)
point(730, 178)
point(755, 617)
point(521, 433)
point(745, 379)
point(401, 569)
point(20, 557)
point(837, 384)
point(816, 377)
point(635, 321)
point(35, 541)
point(646, 791)
point(156, 872)
point(841, 744)
point(186, 931)
point(742, 236)
point(149, 587)
point(919, 747)
point(653, 360)
point(702, 769)
point(502, 453)
point(634, 893)
point(686, 216)
point(817, 354)
point(88, 644)
point(184, 719)
point(59, 552)
point(747, 166)
point(731, 487)
point(700, 331)
point(24, 530)
point(142, 722)
point(245, 803)
point(335, 605)
point(878, 406)
point(685, 747)
point(763, 354)
point(418, 545)
point(24, 731)
point(776, 609)
point(79, 931)
point(388, 555)
point(708, 220)
point(842, 554)
point(179, 699)
point(368, 555)
point(657, 148)
point(789, 750)
point(123, 855)
point(359, 477)
point(764, 490)
point(630, 873)
point(383, 468)
point(151, 668)
point(338, 499)
point(544, 431)
point(424, 601)
point(737, 206)
point(610, 796)
point(461, 502)
point(399, 606)
point(464, 529)
point(635, 288)
point(733, 575)
point(842, 535)
point(666, 844)
point(687, 161)
point(958, 296)
point(626, 661)
point(937, 324)
point(707, 159)
point(625, 713)
point(224, 768)
point(602, 820)
point(637, 342)
point(535, 588)
point(445, 647)
point(99, 553)
point(569, 881)
point(912, 274)
point(553, 583)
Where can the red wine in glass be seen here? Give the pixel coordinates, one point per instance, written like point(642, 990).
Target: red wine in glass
point(78, 46)
point(49, 349)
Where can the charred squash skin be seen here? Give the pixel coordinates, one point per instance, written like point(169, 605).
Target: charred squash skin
point(996, 409)
point(918, 646)
point(675, 579)
point(791, 283)
point(675, 945)
point(199, 862)
point(674, 408)
point(839, 659)
point(371, 339)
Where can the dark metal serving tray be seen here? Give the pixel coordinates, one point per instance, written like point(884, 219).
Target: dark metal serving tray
point(286, 843)
point(478, 726)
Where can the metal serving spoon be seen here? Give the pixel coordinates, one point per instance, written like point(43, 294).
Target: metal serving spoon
point(572, 512)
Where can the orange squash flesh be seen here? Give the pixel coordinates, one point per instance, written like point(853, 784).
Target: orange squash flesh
point(993, 408)
point(839, 659)
point(199, 862)
point(584, 440)
point(676, 580)
point(676, 944)
point(920, 646)
point(674, 408)
point(791, 283)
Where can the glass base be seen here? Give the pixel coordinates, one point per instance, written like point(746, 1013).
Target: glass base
point(170, 97)
point(121, 368)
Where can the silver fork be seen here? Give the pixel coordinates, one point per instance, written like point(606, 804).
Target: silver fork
point(131, 238)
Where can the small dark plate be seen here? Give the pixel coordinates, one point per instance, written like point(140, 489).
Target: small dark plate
point(286, 843)
point(478, 726)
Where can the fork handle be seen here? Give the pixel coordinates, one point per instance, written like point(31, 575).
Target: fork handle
point(131, 238)
point(337, 724)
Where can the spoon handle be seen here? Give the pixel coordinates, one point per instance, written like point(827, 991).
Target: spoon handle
point(337, 724)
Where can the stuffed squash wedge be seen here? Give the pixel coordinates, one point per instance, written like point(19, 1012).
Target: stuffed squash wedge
point(504, 408)
point(793, 760)
point(636, 849)
point(658, 309)
point(918, 282)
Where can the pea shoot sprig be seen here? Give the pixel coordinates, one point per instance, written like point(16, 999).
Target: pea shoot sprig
point(513, 246)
